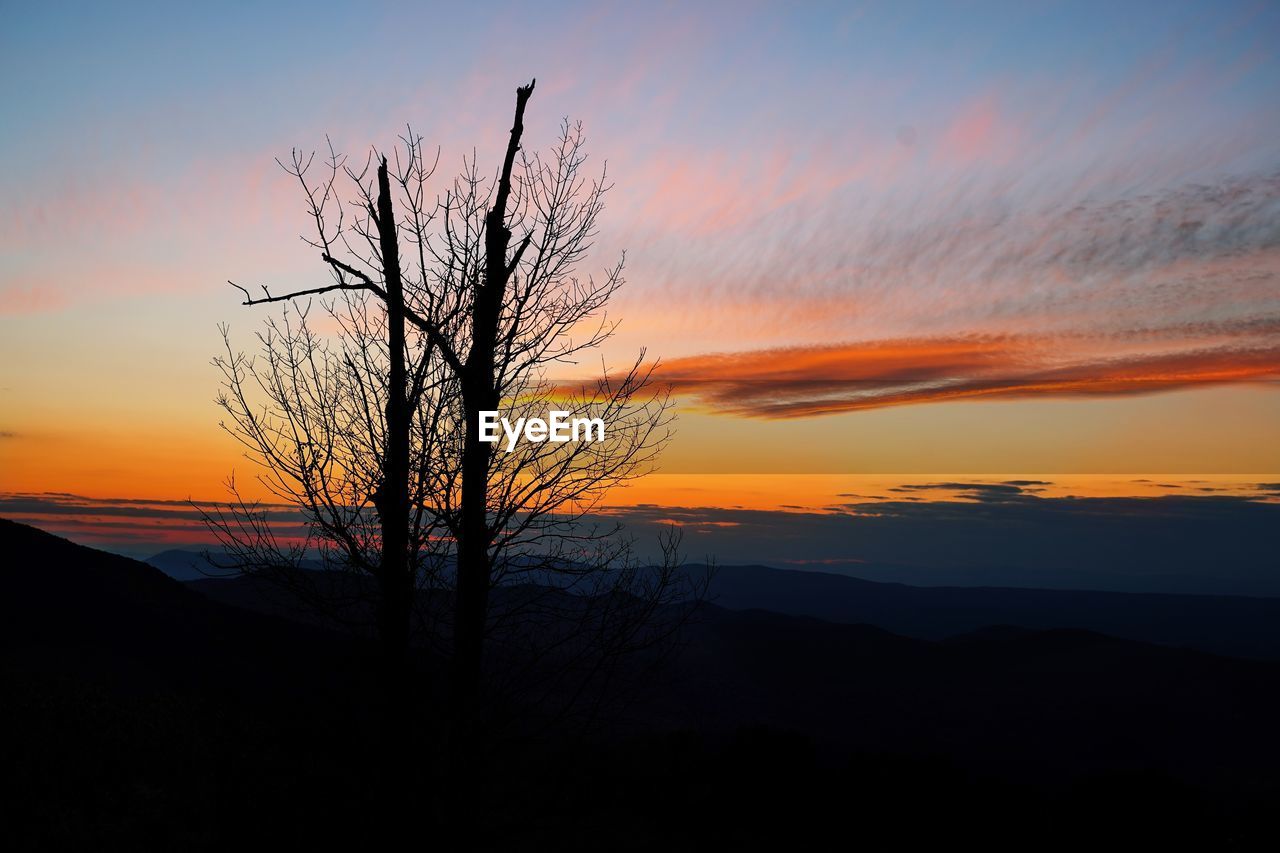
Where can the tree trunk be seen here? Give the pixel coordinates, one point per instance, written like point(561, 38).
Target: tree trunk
point(395, 576)
point(480, 393)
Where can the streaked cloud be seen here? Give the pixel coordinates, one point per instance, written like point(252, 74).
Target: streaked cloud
point(820, 380)
point(139, 527)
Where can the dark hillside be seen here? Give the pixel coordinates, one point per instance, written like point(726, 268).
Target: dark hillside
point(141, 713)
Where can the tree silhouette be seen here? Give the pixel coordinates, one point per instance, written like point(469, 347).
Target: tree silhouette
point(367, 421)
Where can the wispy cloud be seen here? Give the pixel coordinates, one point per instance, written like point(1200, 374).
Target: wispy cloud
point(136, 526)
point(819, 380)
point(1008, 490)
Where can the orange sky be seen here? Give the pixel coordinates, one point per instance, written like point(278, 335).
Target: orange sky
point(979, 244)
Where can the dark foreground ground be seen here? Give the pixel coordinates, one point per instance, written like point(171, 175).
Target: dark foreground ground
point(139, 713)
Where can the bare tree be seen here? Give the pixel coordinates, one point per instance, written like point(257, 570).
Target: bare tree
point(371, 427)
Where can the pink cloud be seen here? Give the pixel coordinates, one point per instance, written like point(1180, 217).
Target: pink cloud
point(979, 132)
point(25, 297)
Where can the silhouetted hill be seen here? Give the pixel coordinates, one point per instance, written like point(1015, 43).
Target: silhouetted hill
point(987, 694)
point(140, 713)
point(62, 596)
point(1022, 700)
point(1231, 625)
point(184, 565)
point(1237, 626)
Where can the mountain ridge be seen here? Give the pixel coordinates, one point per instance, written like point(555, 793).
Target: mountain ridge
point(1237, 626)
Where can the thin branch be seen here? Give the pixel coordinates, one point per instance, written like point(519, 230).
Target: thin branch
point(249, 300)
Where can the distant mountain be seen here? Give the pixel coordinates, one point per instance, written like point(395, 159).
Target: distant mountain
point(198, 565)
point(1237, 626)
point(182, 565)
point(1229, 625)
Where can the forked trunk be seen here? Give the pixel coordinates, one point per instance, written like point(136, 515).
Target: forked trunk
point(480, 393)
point(395, 572)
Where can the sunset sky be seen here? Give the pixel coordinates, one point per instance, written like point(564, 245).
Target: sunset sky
point(864, 239)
